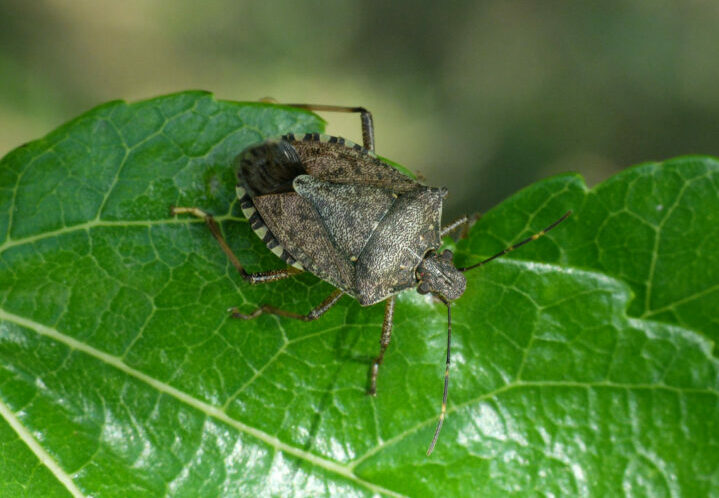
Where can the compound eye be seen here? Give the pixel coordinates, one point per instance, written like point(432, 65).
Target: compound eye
point(423, 288)
point(447, 255)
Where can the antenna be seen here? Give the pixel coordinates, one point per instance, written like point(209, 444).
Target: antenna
point(443, 413)
point(517, 245)
point(446, 381)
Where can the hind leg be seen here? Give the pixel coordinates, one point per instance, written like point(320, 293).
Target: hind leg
point(365, 118)
point(253, 278)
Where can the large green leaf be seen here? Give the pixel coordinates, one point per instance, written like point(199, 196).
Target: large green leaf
point(582, 365)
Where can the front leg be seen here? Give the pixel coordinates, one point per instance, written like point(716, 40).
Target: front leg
point(384, 343)
point(464, 222)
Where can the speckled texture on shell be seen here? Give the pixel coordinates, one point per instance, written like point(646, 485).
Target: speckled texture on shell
point(350, 219)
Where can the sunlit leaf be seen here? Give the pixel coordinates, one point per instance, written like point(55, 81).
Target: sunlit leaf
point(583, 365)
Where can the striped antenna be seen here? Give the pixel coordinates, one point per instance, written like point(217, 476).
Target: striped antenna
point(443, 413)
point(446, 381)
point(519, 244)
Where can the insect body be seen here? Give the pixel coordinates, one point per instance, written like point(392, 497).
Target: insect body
point(348, 218)
point(333, 208)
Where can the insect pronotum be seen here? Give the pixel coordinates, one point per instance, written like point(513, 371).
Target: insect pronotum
point(331, 207)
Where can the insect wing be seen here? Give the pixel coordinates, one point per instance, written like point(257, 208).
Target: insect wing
point(299, 230)
point(350, 212)
point(410, 229)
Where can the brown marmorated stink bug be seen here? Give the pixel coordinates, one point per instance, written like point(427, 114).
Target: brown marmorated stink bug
point(331, 207)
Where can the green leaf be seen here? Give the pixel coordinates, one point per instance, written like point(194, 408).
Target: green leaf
point(654, 227)
point(582, 365)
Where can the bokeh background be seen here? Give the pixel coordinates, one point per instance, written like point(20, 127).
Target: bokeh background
point(484, 97)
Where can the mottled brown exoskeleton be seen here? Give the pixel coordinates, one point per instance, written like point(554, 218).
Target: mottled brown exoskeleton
point(331, 207)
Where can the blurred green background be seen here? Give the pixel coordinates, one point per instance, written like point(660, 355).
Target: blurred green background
point(483, 97)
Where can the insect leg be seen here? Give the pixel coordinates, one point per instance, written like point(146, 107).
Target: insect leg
point(253, 278)
point(314, 314)
point(384, 343)
point(464, 222)
point(365, 117)
point(454, 225)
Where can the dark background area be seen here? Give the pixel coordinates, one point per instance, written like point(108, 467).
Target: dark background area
point(483, 97)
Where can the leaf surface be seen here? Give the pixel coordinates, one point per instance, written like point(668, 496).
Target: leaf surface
point(583, 364)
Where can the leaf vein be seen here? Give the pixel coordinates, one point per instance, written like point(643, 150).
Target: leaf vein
point(40, 452)
point(209, 410)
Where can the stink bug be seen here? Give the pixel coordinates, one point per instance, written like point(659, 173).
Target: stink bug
point(331, 207)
